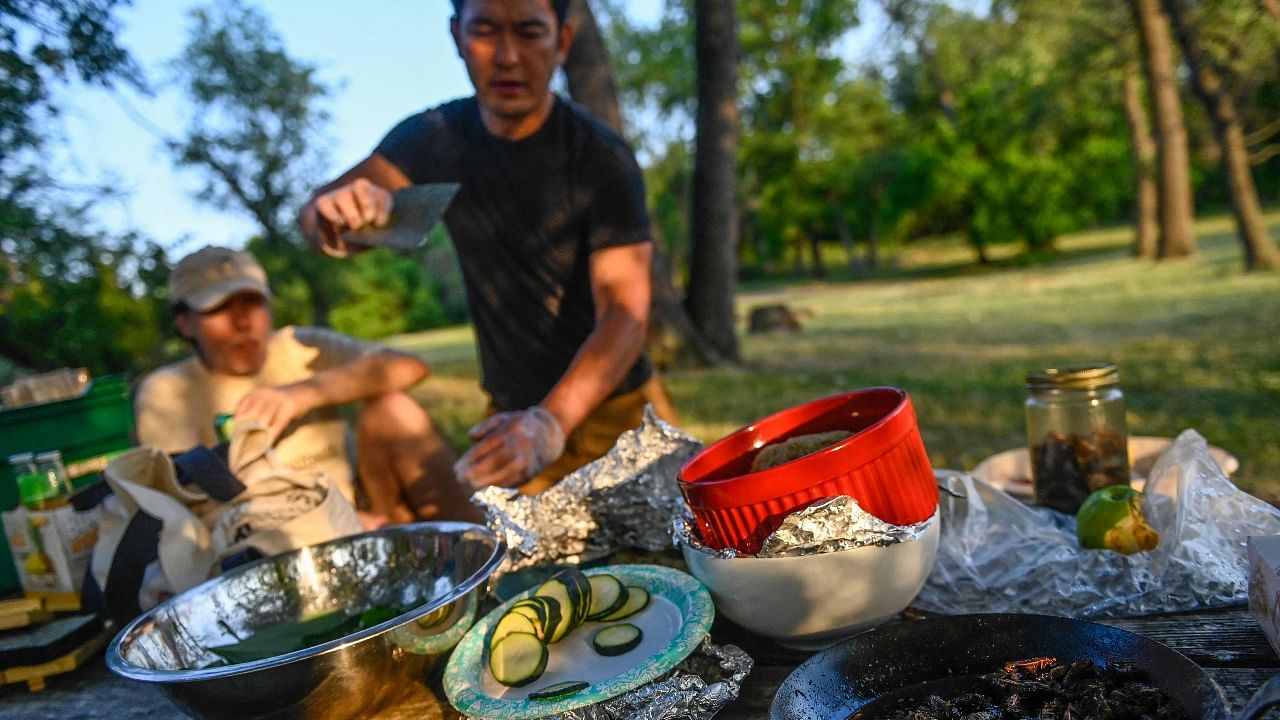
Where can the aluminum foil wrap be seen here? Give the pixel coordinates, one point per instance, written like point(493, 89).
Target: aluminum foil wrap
point(626, 499)
point(996, 554)
point(832, 525)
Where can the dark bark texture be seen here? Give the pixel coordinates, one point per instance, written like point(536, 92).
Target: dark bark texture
point(713, 262)
point(1177, 209)
point(1211, 89)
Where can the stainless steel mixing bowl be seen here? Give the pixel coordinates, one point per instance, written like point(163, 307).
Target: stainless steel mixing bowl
point(377, 670)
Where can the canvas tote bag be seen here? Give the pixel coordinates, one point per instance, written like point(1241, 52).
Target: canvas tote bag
point(172, 522)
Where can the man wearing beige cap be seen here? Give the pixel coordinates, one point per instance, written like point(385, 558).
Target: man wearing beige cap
point(293, 380)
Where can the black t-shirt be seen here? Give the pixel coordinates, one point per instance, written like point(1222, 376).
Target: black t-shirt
point(525, 221)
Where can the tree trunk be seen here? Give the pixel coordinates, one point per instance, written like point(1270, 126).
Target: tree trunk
point(815, 252)
point(672, 337)
point(713, 262)
point(1142, 148)
point(587, 67)
point(1259, 251)
point(1177, 209)
point(846, 241)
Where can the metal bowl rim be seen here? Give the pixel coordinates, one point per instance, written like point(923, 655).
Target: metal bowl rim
point(117, 663)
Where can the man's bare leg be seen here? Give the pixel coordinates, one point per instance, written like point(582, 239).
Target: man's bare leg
point(406, 465)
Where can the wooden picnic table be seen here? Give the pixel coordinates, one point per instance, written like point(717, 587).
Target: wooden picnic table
point(1226, 642)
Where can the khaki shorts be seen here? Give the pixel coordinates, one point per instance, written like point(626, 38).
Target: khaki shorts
point(597, 434)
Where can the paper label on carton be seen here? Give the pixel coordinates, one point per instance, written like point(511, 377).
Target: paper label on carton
point(51, 548)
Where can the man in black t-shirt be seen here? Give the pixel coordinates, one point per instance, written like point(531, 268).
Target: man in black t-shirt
point(552, 235)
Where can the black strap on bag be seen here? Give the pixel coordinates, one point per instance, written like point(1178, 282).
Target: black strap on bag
point(138, 548)
point(208, 469)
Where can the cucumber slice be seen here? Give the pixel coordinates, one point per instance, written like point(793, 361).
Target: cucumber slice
point(637, 600)
point(608, 594)
point(563, 621)
point(616, 639)
point(511, 622)
point(538, 619)
point(565, 589)
point(559, 690)
point(518, 659)
point(584, 588)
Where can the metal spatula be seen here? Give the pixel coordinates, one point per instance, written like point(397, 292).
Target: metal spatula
point(414, 211)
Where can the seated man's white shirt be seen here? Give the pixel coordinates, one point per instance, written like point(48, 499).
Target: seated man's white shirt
point(176, 405)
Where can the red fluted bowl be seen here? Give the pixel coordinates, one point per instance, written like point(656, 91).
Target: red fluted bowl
point(883, 465)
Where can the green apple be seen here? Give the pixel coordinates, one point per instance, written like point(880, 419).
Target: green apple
point(1112, 519)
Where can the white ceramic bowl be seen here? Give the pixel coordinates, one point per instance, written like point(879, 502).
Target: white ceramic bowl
point(812, 601)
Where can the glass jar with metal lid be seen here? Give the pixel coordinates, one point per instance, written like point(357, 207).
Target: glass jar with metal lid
point(1076, 433)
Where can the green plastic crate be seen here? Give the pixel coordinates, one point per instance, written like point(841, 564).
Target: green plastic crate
point(86, 430)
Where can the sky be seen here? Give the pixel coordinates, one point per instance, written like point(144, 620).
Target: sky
point(386, 59)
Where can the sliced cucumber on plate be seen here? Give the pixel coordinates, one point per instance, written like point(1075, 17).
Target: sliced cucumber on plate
point(518, 659)
point(559, 690)
point(516, 649)
point(617, 639)
point(637, 600)
point(608, 594)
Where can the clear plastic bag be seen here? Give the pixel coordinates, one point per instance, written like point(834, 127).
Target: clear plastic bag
point(998, 555)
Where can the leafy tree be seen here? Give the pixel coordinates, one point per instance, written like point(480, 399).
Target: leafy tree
point(1029, 144)
point(794, 121)
point(69, 295)
point(256, 132)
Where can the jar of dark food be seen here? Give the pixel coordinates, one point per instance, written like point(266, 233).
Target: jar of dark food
point(1076, 433)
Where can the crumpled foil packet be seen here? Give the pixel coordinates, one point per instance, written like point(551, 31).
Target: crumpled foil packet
point(696, 689)
point(834, 524)
point(996, 554)
point(625, 499)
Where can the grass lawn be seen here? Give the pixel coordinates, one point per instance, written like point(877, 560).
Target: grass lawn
point(1195, 340)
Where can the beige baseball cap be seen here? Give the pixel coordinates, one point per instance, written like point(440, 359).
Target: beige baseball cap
point(204, 279)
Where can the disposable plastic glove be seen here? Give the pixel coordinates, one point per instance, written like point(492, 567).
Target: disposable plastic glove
point(511, 448)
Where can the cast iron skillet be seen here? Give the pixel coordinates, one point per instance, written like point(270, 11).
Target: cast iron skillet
point(908, 661)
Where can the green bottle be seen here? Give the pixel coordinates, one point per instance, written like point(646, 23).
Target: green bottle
point(224, 426)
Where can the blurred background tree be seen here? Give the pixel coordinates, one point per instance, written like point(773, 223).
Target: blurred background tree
point(256, 134)
point(70, 295)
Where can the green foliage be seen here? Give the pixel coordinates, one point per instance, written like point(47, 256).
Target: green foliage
point(1036, 148)
point(69, 295)
point(1004, 126)
point(71, 298)
point(255, 125)
point(390, 294)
